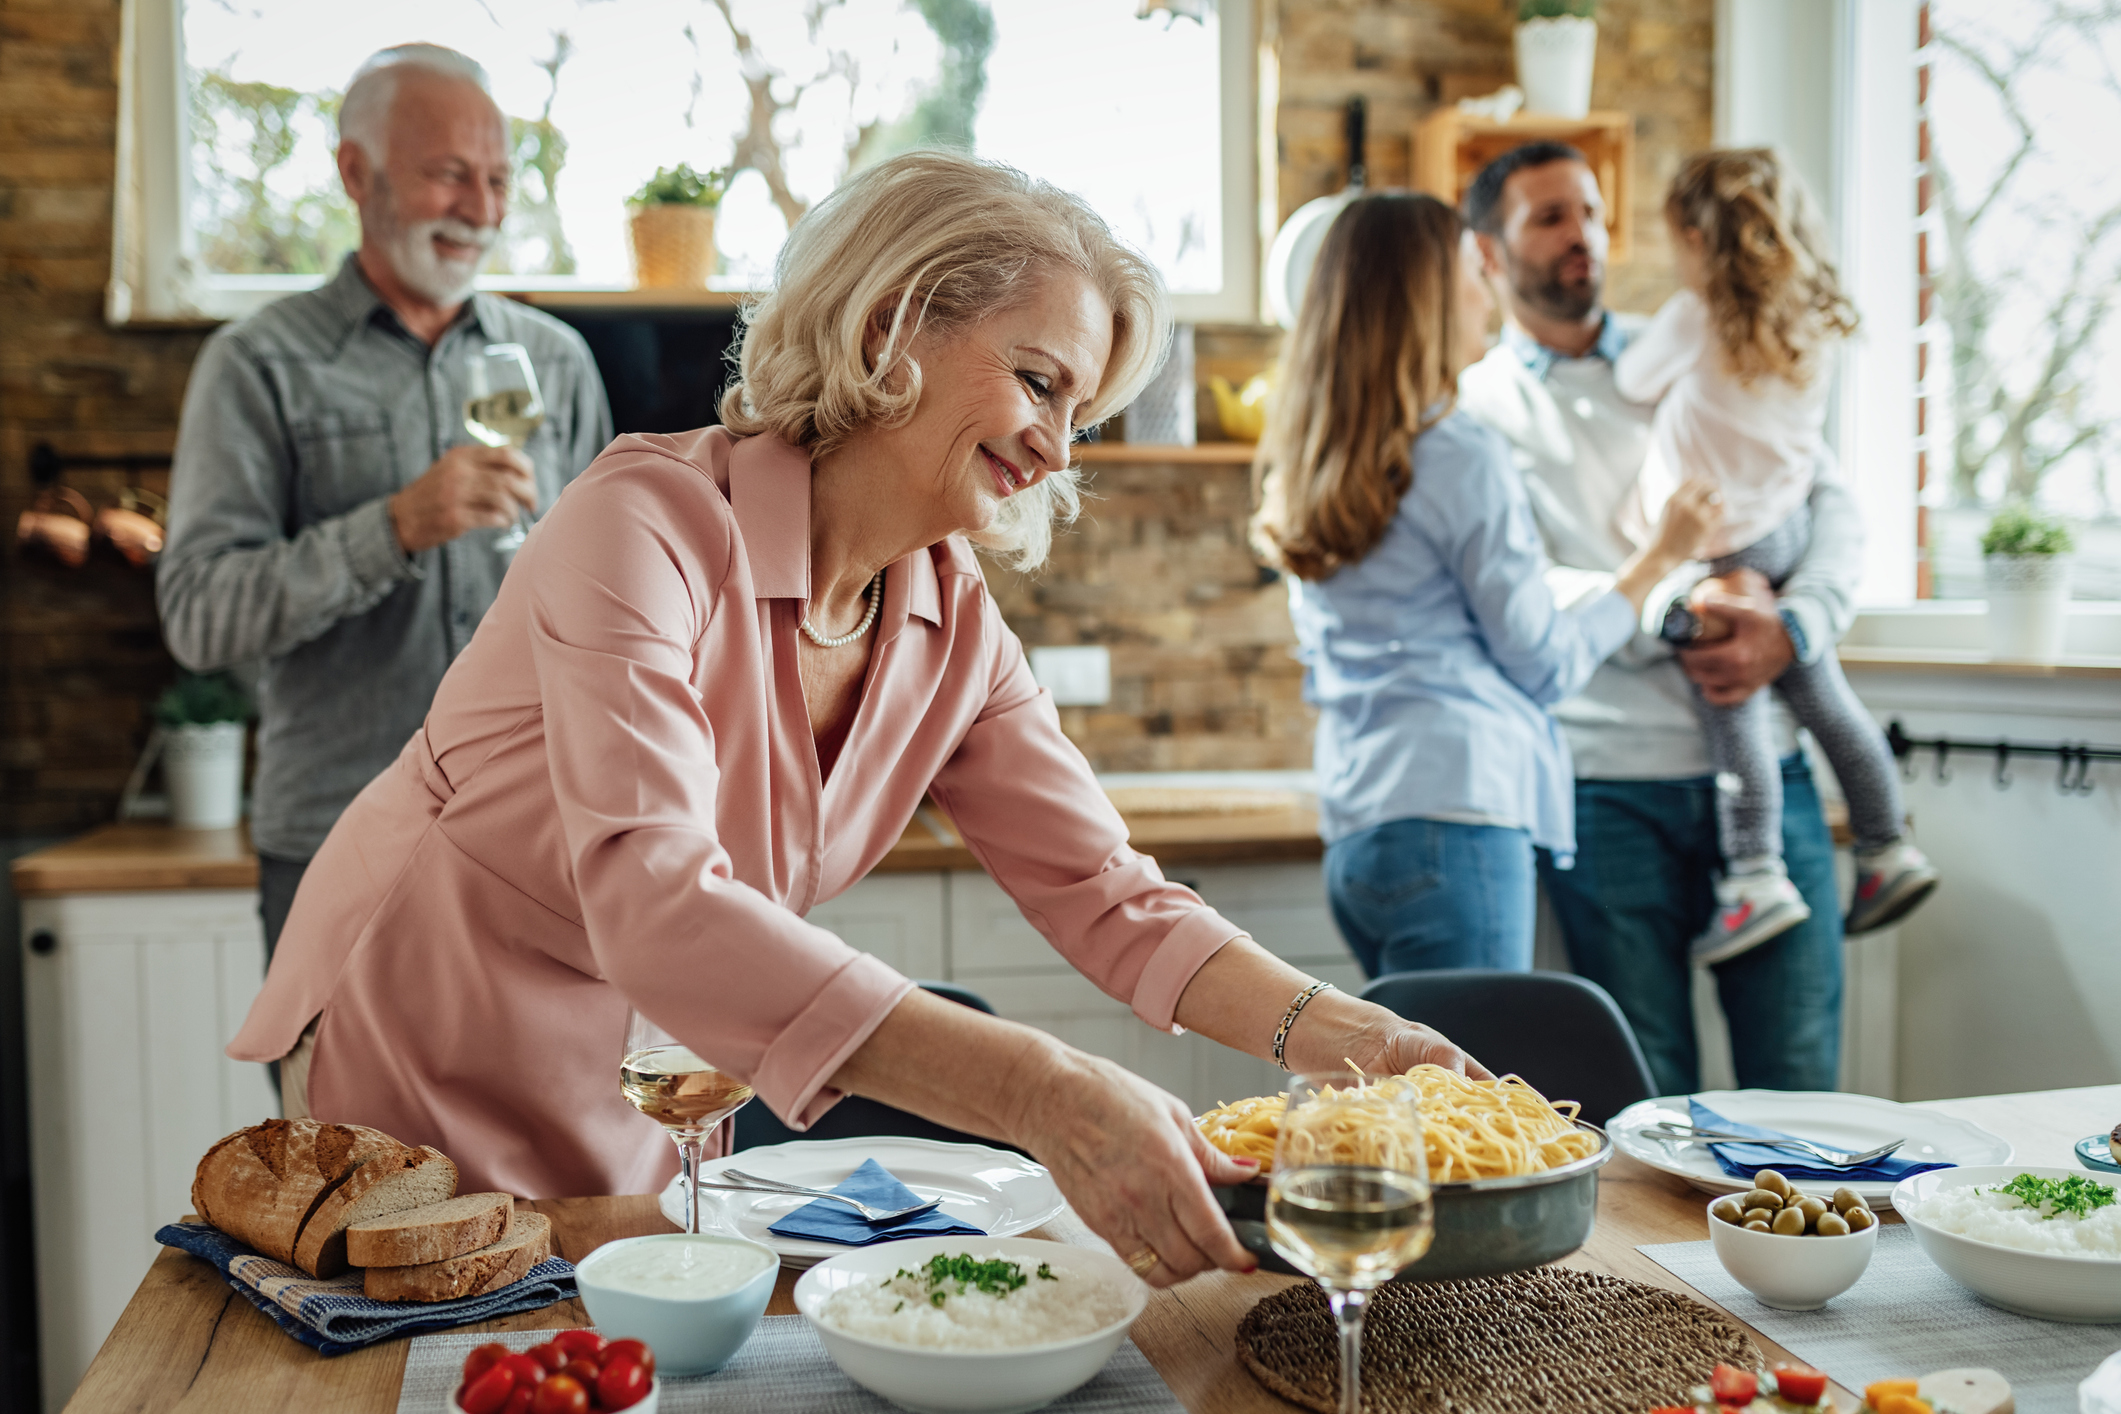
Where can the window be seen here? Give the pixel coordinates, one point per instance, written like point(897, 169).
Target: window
point(2021, 228)
point(1149, 119)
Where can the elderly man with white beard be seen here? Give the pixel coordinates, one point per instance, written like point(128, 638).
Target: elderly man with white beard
point(331, 520)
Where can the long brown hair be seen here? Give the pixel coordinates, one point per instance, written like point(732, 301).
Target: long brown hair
point(1774, 298)
point(1367, 369)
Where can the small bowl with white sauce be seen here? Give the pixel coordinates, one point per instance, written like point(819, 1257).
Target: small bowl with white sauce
point(999, 1341)
point(694, 1298)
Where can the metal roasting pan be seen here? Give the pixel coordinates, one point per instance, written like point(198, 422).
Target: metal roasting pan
point(1483, 1229)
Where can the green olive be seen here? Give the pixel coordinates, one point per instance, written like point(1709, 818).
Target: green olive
point(1834, 1225)
point(1755, 1225)
point(1845, 1199)
point(1812, 1208)
point(1762, 1198)
point(1728, 1208)
point(1859, 1218)
point(1763, 1216)
point(1789, 1222)
point(1773, 1182)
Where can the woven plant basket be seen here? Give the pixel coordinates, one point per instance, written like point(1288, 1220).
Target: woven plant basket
point(673, 247)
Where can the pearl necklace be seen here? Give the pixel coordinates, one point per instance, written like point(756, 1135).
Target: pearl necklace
point(875, 596)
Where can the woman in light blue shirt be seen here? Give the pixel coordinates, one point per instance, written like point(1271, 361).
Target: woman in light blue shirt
point(1432, 644)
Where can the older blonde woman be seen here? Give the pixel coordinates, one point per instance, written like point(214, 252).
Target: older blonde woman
point(711, 693)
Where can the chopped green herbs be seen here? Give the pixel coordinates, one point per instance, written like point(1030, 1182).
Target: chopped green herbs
point(944, 1277)
point(2055, 1196)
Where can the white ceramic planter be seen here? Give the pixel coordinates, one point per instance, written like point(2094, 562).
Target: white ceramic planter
point(2028, 606)
point(203, 767)
point(1554, 61)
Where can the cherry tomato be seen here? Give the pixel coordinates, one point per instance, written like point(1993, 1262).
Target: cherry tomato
point(561, 1394)
point(584, 1370)
point(519, 1402)
point(488, 1393)
point(634, 1350)
point(527, 1371)
point(483, 1359)
point(549, 1355)
point(1800, 1384)
point(1733, 1386)
point(580, 1345)
point(622, 1385)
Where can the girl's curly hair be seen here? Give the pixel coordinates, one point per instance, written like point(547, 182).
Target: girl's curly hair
point(1774, 299)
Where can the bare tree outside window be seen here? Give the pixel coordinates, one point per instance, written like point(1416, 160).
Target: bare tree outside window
point(2026, 99)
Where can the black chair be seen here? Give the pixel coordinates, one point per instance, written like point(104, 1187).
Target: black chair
point(1563, 1034)
point(857, 1116)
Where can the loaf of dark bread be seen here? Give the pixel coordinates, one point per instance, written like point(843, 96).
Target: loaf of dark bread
point(410, 1178)
point(262, 1185)
point(528, 1243)
point(433, 1233)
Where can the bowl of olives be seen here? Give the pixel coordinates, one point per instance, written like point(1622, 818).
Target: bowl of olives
point(1794, 1252)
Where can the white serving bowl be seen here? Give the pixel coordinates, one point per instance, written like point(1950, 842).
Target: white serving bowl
point(1792, 1273)
point(932, 1381)
point(689, 1335)
point(2048, 1285)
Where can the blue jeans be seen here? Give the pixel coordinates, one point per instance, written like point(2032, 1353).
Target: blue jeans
point(1417, 895)
point(1640, 892)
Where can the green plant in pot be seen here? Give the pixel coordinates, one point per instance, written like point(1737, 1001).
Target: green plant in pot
point(2025, 559)
point(672, 227)
point(1557, 45)
point(200, 723)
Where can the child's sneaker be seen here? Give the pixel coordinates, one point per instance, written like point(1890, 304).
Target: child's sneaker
point(1889, 884)
point(1750, 909)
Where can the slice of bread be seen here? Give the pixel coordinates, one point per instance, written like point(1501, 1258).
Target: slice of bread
point(262, 1184)
point(433, 1233)
point(528, 1243)
point(411, 1178)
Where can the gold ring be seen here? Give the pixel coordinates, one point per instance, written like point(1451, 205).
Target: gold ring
point(1142, 1261)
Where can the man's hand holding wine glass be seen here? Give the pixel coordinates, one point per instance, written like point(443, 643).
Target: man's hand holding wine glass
point(471, 487)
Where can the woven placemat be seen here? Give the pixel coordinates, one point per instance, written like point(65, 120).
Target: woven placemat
point(1554, 1340)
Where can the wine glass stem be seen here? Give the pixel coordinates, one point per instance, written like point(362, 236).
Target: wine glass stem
point(1347, 1312)
point(689, 1148)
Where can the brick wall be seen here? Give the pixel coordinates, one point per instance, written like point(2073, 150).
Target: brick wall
point(1158, 569)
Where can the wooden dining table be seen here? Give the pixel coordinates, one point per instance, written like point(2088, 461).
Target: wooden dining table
point(186, 1341)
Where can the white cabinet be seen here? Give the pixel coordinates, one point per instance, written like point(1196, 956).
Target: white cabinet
point(129, 1000)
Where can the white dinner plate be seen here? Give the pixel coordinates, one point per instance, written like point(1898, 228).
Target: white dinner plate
point(1001, 1193)
point(1831, 1120)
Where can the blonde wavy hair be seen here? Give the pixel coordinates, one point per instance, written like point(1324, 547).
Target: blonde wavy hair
point(934, 240)
point(1367, 369)
point(1774, 299)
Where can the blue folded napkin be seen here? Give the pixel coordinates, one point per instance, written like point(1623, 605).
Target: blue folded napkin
point(333, 1316)
point(1745, 1160)
point(873, 1184)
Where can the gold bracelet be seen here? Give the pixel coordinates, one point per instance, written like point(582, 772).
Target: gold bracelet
point(1288, 1018)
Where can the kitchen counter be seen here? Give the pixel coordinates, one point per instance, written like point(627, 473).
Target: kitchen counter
point(1183, 826)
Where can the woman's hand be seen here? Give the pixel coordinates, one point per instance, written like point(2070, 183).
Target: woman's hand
point(1694, 513)
point(1127, 1157)
point(1336, 1028)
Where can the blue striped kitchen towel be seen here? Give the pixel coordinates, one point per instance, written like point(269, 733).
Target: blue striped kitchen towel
point(333, 1316)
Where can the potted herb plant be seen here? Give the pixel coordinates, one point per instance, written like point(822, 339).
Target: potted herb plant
point(2025, 557)
point(200, 720)
point(672, 227)
point(1557, 44)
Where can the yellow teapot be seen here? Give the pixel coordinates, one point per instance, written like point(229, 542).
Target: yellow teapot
point(1242, 411)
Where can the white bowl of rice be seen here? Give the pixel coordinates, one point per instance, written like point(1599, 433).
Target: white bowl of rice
point(2059, 1264)
point(971, 1325)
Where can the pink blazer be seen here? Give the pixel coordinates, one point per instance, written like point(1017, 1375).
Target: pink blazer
point(616, 798)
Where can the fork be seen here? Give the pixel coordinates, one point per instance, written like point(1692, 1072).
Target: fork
point(1833, 1158)
point(752, 1183)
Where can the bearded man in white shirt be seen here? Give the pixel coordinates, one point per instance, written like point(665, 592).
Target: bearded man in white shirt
point(1641, 889)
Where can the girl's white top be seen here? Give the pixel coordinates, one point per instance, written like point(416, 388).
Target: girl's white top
point(1761, 444)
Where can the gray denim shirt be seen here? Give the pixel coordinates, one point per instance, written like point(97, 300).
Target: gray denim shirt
point(299, 423)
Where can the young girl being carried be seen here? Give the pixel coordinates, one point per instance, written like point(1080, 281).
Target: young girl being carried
point(1735, 365)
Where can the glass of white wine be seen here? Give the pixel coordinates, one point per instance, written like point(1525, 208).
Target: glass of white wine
point(664, 1080)
point(504, 410)
point(1348, 1202)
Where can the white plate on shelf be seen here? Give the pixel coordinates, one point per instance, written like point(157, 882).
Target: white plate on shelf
point(992, 1189)
point(1829, 1119)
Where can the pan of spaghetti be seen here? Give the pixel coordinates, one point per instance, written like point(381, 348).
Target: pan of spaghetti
point(1514, 1175)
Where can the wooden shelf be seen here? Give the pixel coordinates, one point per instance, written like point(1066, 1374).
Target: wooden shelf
point(1974, 664)
point(1206, 454)
point(629, 299)
point(1451, 146)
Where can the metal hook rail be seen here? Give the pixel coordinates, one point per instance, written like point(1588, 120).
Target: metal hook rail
point(2073, 775)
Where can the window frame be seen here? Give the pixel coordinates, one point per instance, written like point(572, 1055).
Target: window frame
point(156, 277)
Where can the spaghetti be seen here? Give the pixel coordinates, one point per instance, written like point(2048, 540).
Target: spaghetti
point(1474, 1129)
